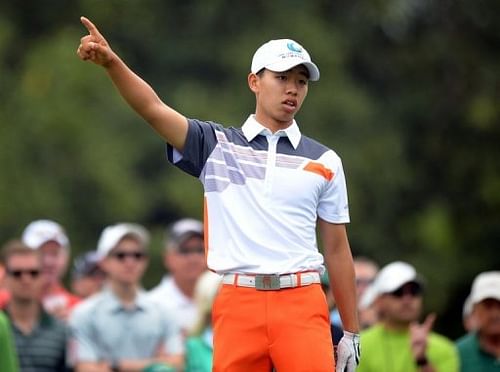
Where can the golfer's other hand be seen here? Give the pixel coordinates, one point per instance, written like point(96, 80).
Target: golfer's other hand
point(348, 353)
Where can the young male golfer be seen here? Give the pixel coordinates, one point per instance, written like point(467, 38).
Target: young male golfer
point(266, 187)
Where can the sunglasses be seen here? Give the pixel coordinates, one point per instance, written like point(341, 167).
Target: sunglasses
point(184, 251)
point(412, 289)
point(121, 256)
point(34, 273)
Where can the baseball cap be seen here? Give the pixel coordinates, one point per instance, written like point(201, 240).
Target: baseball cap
point(282, 55)
point(184, 229)
point(112, 235)
point(388, 279)
point(85, 264)
point(40, 232)
point(485, 285)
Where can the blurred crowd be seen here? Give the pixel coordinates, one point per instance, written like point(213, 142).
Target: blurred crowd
point(106, 320)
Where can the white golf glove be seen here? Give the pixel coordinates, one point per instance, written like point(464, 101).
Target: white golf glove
point(348, 353)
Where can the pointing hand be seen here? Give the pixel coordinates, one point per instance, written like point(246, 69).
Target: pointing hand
point(94, 47)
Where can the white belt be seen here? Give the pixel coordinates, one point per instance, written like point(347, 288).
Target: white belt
point(272, 282)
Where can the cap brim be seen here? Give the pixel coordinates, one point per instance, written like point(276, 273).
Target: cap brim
point(373, 291)
point(492, 293)
point(290, 63)
point(368, 297)
point(178, 240)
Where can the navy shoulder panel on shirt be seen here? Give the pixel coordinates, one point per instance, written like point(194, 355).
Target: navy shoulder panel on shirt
point(201, 140)
point(307, 148)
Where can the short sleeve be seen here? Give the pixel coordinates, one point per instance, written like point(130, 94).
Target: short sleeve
point(333, 203)
point(82, 346)
point(200, 142)
point(173, 338)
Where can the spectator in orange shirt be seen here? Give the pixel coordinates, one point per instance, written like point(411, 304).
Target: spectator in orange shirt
point(4, 293)
point(51, 240)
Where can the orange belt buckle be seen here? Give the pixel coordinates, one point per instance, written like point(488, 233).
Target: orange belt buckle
point(269, 282)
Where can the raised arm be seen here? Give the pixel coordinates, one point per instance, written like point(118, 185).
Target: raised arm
point(168, 123)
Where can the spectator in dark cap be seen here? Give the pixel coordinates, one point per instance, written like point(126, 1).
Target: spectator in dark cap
point(184, 260)
point(87, 277)
point(335, 329)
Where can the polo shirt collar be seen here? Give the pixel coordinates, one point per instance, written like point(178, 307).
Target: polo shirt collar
point(115, 305)
point(252, 128)
point(44, 320)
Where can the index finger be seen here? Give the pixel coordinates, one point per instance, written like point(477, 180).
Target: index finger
point(93, 31)
point(429, 321)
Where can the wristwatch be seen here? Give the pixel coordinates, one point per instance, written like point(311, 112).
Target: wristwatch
point(115, 366)
point(422, 361)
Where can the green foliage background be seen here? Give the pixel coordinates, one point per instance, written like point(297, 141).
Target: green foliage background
point(408, 96)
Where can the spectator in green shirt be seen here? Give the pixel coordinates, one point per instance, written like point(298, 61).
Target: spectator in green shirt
point(199, 345)
point(8, 359)
point(397, 342)
point(479, 349)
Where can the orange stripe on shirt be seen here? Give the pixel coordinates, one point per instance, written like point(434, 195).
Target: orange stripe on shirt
point(319, 169)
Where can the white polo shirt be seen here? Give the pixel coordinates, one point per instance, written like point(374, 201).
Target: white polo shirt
point(183, 308)
point(263, 194)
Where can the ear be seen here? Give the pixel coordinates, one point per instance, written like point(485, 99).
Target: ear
point(168, 259)
point(103, 264)
point(253, 82)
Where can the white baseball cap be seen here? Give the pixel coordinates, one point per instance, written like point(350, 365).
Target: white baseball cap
point(388, 279)
point(40, 232)
point(485, 285)
point(282, 55)
point(111, 236)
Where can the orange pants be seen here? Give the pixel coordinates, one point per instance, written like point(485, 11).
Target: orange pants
point(288, 329)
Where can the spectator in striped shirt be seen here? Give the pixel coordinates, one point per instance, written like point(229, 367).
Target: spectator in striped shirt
point(40, 338)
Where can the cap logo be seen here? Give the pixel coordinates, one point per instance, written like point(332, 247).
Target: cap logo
point(294, 47)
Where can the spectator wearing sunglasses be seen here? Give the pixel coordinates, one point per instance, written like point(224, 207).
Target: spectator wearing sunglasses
point(184, 261)
point(398, 342)
point(121, 328)
point(40, 338)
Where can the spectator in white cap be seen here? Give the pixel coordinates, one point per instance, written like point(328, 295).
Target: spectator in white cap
point(479, 350)
point(51, 240)
point(468, 320)
point(184, 261)
point(397, 342)
point(268, 191)
point(120, 328)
